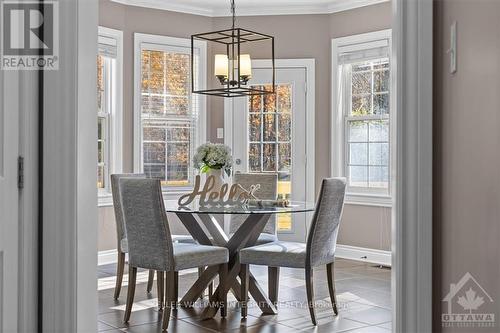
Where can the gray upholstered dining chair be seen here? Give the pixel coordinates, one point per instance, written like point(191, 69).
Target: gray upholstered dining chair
point(151, 247)
point(268, 191)
point(121, 235)
point(319, 249)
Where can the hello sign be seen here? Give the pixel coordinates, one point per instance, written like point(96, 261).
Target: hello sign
point(225, 196)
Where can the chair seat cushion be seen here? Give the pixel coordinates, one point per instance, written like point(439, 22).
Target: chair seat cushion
point(183, 239)
point(194, 255)
point(264, 238)
point(276, 254)
point(175, 238)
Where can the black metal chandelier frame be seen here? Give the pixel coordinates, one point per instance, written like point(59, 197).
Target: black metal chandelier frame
point(233, 38)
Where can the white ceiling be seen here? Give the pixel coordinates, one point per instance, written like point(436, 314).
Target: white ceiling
point(252, 7)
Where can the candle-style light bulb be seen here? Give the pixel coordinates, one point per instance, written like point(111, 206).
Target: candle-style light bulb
point(246, 67)
point(221, 65)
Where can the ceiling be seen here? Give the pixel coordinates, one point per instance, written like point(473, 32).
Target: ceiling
point(252, 7)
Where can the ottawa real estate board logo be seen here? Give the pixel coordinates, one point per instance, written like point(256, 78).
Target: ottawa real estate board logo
point(29, 35)
point(468, 305)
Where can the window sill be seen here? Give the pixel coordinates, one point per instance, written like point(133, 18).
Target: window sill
point(368, 200)
point(105, 200)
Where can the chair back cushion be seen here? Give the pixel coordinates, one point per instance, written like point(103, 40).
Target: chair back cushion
point(148, 234)
point(117, 204)
point(322, 237)
point(268, 191)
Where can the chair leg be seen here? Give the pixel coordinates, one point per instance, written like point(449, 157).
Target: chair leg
point(273, 274)
point(310, 294)
point(200, 271)
point(210, 289)
point(132, 275)
point(151, 277)
point(176, 290)
point(160, 287)
point(223, 290)
point(169, 299)
point(119, 273)
point(244, 289)
point(331, 286)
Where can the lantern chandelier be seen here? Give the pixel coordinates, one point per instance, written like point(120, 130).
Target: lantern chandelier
point(233, 62)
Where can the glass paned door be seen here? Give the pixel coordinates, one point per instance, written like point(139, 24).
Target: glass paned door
point(269, 137)
point(270, 140)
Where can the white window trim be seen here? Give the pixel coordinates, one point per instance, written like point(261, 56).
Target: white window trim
point(116, 123)
point(338, 149)
point(171, 42)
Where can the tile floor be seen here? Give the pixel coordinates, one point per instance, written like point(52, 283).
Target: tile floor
point(363, 293)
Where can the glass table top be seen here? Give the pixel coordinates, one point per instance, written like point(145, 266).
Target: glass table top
point(172, 206)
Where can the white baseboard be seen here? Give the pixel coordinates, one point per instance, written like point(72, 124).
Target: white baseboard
point(379, 257)
point(106, 257)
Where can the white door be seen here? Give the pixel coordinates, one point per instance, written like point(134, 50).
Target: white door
point(269, 135)
point(9, 199)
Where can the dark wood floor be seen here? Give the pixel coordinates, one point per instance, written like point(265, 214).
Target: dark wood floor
point(363, 293)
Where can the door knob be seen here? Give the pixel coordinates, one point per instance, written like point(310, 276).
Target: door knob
point(237, 161)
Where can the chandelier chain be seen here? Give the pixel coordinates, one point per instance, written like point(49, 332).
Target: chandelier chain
point(233, 12)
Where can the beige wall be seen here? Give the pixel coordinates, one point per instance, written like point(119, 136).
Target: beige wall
point(309, 36)
point(366, 226)
point(296, 36)
point(130, 20)
point(466, 151)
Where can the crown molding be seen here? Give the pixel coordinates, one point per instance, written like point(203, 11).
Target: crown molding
point(334, 6)
point(174, 6)
point(340, 6)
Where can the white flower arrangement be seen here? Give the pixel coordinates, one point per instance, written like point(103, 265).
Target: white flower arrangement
point(210, 156)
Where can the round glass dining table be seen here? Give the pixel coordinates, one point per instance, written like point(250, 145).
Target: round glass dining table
point(206, 230)
point(172, 206)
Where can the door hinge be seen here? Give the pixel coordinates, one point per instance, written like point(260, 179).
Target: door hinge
point(20, 172)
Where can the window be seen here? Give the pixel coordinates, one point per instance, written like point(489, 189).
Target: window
point(270, 140)
point(170, 118)
point(109, 95)
point(363, 113)
point(367, 125)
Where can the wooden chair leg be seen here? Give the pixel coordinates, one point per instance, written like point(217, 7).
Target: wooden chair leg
point(331, 286)
point(169, 299)
point(132, 276)
point(200, 271)
point(223, 290)
point(210, 289)
point(151, 277)
point(119, 273)
point(160, 287)
point(310, 294)
point(245, 274)
point(176, 290)
point(273, 274)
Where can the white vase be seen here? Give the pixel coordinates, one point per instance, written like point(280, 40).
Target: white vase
point(219, 180)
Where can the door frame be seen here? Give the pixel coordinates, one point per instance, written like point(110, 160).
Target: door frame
point(309, 66)
point(72, 306)
point(412, 48)
point(21, 222)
